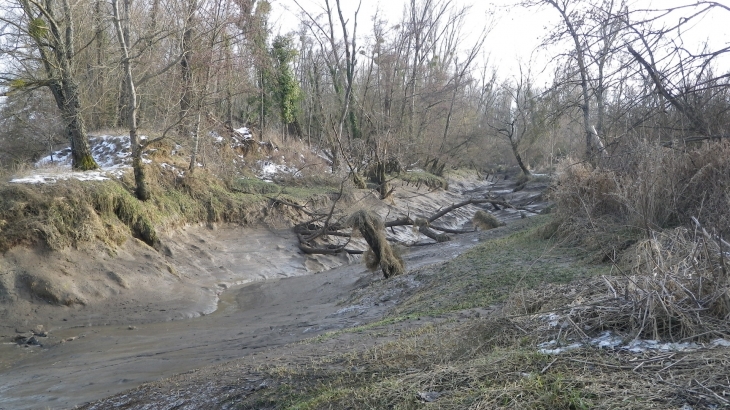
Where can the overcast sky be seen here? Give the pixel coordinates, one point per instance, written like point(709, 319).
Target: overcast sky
point(516, 31)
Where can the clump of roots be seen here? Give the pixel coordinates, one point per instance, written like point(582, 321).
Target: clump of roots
point(381, 254)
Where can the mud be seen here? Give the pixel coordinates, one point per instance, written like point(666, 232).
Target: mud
point(216, 295)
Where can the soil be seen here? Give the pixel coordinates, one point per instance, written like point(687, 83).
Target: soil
point(105, 322)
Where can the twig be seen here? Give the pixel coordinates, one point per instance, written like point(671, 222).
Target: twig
point(671, 364)
point(544, 369)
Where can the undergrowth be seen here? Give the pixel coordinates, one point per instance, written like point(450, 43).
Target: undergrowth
point(660, 216)
point(462, 361)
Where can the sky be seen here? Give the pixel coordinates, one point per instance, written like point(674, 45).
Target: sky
point(516, 31)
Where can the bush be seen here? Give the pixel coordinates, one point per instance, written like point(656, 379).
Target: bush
point(644, 210)
point(648, 188)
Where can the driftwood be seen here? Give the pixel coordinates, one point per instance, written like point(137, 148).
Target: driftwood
point(438, 237)
point(320, 226)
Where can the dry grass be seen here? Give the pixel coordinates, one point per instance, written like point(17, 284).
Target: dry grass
point(675, 289)
point(644, 212)
point(70, 213)
point(380, 254)
point(485, 221)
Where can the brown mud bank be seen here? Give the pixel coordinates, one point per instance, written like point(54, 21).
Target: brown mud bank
point(242, 290)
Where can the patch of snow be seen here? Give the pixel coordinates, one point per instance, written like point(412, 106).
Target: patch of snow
point(245, 132)
point(552, 347)
point(720, 342)
point(609, 340)
point(553, 319)
point(640, 346)
point(269, 169)
point(216, 137)
point(49, 178)
point(111, 152)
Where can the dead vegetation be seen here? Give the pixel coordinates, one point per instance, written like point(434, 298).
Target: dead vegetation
point(661, 222)
point(486, 221)
point(70, 213)
point(381, 254)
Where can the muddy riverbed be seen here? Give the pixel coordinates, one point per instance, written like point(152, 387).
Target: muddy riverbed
point(252, 291)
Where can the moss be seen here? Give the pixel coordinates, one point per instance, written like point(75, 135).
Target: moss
point(37, 28)
point(86, 163)
point(256, 186)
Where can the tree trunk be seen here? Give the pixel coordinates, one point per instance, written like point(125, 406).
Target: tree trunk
point(82, 159)
point(518, 157)
point(141, 191)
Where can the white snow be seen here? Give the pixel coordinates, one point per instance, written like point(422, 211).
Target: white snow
point(245, 132)
point(544, 347)
point(216, 137)
point(49, 178)
point(609, 340)
point(111, 153)
point(269, 169)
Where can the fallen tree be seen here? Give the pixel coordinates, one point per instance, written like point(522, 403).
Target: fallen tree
point(320, 228)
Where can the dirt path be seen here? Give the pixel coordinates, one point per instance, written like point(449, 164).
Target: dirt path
point(101, 360)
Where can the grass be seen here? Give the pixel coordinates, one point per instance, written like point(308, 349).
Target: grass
point(70, 213)
point(467, 362)
point(489, 273)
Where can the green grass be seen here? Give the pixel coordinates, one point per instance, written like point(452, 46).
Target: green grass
point(490, 272)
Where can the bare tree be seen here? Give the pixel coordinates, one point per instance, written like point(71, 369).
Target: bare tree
point(594, 31)
point(681, 76)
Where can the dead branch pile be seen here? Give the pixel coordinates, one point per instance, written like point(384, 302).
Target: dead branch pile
point(676, 289)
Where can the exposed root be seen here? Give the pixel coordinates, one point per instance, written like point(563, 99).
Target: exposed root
point(381, 253)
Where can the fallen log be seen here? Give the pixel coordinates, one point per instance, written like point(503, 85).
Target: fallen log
point(309, 250)
point(438, 237)
point(451, 231)
point(474, 201)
